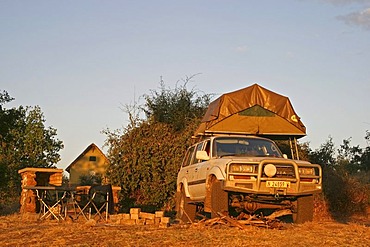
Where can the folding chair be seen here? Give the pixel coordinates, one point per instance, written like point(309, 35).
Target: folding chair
point(100, 201)
point(51, 204)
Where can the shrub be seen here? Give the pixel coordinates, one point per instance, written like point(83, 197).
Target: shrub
point(344, 191)
point(145, 157)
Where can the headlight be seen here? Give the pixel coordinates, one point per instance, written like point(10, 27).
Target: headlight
point(306, 171)
point(241, 168)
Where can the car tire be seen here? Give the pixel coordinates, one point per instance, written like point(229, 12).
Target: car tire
point(219, 198)
point(185, 210)
point(303, 209)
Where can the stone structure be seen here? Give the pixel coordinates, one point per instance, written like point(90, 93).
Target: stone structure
point(37, 177)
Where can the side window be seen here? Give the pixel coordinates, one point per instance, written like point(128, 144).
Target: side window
point(216, 148)
point(198, 148)
point(207, 148)
point(188, 156)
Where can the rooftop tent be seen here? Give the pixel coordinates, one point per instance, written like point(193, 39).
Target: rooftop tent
point(252, 110)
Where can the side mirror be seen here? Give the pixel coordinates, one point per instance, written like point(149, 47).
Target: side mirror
point(285, 156)
point(202, 155)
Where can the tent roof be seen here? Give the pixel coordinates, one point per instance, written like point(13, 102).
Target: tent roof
point(252, 110)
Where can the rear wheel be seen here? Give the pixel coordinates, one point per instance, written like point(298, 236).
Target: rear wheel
point(185, 210)
point(304, 209)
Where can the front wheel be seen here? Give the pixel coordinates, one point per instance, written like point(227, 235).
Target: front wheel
point(185, 210)
point(217, 200)
point(303, 209)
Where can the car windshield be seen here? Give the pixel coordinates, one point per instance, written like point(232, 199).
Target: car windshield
point(243, 146)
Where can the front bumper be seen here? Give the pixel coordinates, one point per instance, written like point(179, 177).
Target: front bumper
point(293, 184)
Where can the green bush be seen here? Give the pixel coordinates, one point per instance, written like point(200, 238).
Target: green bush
point(345, 178)
point(146, 156)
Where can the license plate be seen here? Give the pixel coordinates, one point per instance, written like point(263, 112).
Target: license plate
point(277, 184)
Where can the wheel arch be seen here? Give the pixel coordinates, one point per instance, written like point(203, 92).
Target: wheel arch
point(183, 184)
point(215, 172)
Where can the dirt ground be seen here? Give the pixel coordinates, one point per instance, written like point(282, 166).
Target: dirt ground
point(27, 231)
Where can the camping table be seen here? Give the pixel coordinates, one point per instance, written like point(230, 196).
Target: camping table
point(57, 202)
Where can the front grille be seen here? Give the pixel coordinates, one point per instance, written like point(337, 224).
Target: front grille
point(283, 171)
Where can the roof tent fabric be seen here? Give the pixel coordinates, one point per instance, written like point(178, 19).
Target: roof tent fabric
point(252, 110)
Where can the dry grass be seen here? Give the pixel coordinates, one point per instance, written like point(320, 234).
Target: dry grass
point(27, 231)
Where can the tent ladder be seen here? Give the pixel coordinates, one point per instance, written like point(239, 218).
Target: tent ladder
point(294, 148)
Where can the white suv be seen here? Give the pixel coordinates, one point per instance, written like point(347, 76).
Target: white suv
point(235, 173)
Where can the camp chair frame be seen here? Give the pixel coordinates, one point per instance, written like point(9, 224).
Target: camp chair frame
point(55, 208)
point(91, 209)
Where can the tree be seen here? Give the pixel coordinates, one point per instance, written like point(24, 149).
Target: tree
point(146, 155)
point(24, 142)
point(176, 107)
point(365, 157)
point(325, 155)
point(342, 174)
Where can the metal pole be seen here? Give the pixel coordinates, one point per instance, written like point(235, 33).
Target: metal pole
point(296, 148)
point(291, 147)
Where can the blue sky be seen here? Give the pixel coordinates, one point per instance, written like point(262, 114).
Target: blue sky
point(82, 61)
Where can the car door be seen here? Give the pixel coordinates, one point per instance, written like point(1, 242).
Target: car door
point(195, 183)
point(202, 170)
point(187, 171)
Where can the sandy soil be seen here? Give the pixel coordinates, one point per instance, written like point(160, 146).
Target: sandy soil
point(27, 231)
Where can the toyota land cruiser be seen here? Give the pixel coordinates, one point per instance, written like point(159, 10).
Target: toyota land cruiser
point(239, 173)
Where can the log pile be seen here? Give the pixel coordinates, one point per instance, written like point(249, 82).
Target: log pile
point(136, 217)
